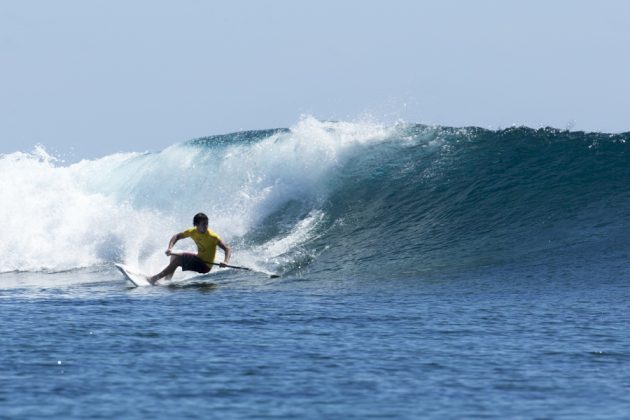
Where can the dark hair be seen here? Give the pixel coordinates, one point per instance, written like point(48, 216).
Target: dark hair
point(199, 217)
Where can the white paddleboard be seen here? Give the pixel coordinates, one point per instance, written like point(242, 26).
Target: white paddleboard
point(137, 278)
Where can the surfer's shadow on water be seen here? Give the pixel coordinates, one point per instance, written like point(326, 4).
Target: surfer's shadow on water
point(204, 287)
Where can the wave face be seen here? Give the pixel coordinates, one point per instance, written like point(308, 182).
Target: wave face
point(330, 199)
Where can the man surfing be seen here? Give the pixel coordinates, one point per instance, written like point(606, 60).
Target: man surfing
point(201, 262)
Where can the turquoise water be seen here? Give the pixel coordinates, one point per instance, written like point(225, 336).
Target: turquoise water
point(426, 273)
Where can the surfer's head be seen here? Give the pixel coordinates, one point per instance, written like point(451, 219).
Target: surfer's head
point(200, 221)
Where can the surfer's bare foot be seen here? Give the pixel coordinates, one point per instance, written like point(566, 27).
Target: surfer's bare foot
point(152, 280)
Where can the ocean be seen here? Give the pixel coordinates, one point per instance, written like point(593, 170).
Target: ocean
point(425, 272)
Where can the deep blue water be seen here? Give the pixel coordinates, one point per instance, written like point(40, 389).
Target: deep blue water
point(426, 273)
point(477, 345)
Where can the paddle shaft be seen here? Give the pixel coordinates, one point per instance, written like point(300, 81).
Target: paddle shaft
point(233, 266)
point(271, 276)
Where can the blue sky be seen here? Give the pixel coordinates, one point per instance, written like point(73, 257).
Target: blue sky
point(89, 78)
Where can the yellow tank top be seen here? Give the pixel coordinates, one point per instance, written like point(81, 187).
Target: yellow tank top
point(206, 243)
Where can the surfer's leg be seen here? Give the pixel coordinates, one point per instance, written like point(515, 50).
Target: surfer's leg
point(168, 271)
point(169, 276)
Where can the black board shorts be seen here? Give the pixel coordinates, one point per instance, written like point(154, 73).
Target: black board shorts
point(194, 263)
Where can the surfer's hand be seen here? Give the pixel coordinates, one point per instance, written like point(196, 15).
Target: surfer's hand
point(168, 252)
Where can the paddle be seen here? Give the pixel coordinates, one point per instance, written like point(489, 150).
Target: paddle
point(271, 276)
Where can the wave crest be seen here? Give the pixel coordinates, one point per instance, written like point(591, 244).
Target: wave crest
point(353, 198)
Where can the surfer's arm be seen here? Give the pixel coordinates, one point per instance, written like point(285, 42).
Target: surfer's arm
point(227, 250)
point(172, 242)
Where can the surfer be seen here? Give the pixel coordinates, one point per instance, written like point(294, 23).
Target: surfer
point(202, 261)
